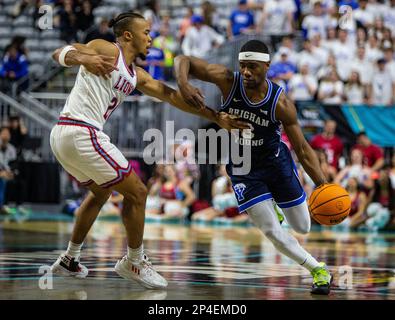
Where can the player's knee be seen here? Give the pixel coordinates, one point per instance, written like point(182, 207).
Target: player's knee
point(302, 228)
point(101, 197)
point(136, 195)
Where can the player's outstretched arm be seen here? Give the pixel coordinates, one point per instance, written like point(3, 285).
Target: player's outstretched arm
point(202, 70)
point(286, 113)
point(98, 56)
point(159, 90)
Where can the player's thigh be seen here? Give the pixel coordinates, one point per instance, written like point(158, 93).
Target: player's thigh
point(99, 159)
point(99, 194)
point(249, 191)
point(62, 145)
point(132, 188)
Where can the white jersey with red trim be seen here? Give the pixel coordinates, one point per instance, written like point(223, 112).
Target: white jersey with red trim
point(94, 98)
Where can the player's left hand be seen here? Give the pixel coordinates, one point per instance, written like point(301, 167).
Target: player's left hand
point(193, 95)
point(231, 122)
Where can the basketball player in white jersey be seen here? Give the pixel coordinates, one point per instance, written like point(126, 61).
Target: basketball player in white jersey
point(106, 77)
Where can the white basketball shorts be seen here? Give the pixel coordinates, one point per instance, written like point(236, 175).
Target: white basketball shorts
point(87, 153)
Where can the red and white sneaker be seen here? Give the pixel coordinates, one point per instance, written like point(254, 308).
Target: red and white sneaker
point(141, 272)
point(69, 267)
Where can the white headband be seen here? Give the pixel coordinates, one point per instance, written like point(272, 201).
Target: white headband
point(257, 56)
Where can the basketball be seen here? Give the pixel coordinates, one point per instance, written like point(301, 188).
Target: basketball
point(330, 204)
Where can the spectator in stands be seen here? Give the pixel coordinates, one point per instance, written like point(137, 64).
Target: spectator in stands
point(168, 44)
point(100, 32)
point(344, 52)
point(210, 16)
point(18, 133)
point(154, 63)
point(293, 55)
point(200, 39)
point(330, 90)
point(389, 17)
point(184, 157)
point(354, 91)
point(378, 29)
point(329, 142)
point(171, 197)
point(283, 70)
point(364, 67)
point(356, 169)
point(331, 39)
point(157, 175)
point(373, 154)
point(241, 20)
point(19, 43)
point(85, 18)
point(359, 203)
point(318, 21)
point(169, 23)
point(392, 171)
point(362, 15)
point(308, 56)
point(13, 67)
point(373, 51)
point(277, 19)
point(66, 21)
point(7, 155)
point(387, 41)
point(361, 37)
point(383, 87)
point(20, 8)
point(151, 14)
point(186, 22)
point(390, 62)
point(302, 86)
point(381, 202)
point(224, 203)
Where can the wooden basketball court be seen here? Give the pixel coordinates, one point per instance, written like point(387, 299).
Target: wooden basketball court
point(200, 262)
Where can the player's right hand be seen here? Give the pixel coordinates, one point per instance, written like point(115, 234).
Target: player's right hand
point(193, 95)
point(99, 65)
point(231, 122)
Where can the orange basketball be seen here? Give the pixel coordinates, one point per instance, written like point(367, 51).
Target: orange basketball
point(329, 204)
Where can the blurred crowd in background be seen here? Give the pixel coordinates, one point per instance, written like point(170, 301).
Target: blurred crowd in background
point(345, 57)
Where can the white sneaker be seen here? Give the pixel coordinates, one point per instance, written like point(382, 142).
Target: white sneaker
point(69, 267)
point(141, 272)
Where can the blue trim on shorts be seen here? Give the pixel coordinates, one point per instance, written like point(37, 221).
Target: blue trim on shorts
point(292, 203)
point(254, 201)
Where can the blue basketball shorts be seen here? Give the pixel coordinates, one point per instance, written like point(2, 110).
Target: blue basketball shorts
point(277, 179)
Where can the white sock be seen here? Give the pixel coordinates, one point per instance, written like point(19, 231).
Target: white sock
point(74, 250)
point(310, 263)
point(136, 254)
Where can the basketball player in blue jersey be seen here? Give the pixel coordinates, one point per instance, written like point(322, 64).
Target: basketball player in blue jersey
point(106, 76)
point(273, 175)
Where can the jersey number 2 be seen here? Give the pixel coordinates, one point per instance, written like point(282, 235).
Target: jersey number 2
point(110, 108)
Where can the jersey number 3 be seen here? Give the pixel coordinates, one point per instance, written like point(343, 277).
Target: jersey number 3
point(111, 108)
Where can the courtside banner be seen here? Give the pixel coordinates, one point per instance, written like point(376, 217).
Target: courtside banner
point(377, 121)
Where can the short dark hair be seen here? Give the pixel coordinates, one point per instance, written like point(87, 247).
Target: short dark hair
point(122, 22)
point(4, 128)
point(362, 133)
point(255, 46)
